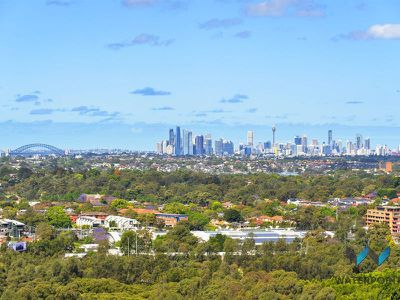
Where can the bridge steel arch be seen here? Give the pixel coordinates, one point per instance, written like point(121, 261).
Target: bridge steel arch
point(30, 150)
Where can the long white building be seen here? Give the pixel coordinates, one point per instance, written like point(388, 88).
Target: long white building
point(121, 223)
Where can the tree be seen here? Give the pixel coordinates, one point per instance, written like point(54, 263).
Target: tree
point(216, 206)
point(216, 243)
point(197, 221)
point(57, 217)
point(119, 203)
point(133, 242)
point(233, 215)
point(44, 231)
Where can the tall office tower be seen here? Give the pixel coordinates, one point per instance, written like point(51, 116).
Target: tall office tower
point(199, 145)
point(187, 148)
point(228, 147)
point(273, 135)
point(330, 137)
point(297, 140)
point(359, 141)
point(367, 143)
point(178, 142)
point(304, 143)
point(250, 138)
point(218, 147)
point(171, 137)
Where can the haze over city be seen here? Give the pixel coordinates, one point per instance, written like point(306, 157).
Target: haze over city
point(119, 74)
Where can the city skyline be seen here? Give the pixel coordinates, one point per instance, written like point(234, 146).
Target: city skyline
point(189, 144)
point(116, 73)
point(145, 138)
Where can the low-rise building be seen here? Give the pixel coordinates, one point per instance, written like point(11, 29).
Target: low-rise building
point(121, 223)
point(96, 199)
point(385, 214)
point(94, 214)
point(171, 219)
point(264, 219)
point(87, 221)
point(11, 228)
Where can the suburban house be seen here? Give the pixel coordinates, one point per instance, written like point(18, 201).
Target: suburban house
point(171, 219)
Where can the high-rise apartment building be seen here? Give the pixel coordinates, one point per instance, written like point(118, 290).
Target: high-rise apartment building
point(250, 138)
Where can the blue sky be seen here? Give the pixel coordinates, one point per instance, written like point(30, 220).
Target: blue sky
point(119, 73)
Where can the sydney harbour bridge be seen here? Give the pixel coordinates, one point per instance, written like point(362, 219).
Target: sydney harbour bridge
point(37, 149)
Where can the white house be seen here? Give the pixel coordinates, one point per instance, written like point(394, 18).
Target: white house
point(87, 221)
point(121, 223)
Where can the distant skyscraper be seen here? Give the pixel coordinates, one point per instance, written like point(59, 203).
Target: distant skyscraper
point(165, 144)
point(359, 141)
point(314, 142)
point(218, 147)
point(208, 144)
point(171, 137)
point(187, 148)
point(159, 148)
point(326, 149)
point(228, 147)
point(349, 147)
point(250, 138)
point(178, 143)
point(273, 135)
point(267, 145)
point(304, 143)
point(330, 137)
point(297, 140)
point(199, 145)
point(247, 151)
point(367, 143)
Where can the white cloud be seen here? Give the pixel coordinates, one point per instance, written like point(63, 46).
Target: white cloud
point(276, 8)
point(375, 32)
point(269, 8)
point(384, 31)
point(139, 2)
